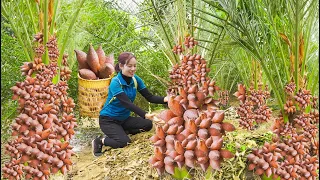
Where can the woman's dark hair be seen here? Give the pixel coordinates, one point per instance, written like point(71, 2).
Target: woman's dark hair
point(123, 58)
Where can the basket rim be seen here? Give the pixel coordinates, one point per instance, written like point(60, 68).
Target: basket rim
point(93, 80)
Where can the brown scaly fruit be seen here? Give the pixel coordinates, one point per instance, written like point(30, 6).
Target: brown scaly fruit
point(42, 131)
point(253, 109)
point(177, 49)
point(101, 55)
point(110, 59)
point(87, 74)
point(194, 127)
point(293, 154)
point(106, 70)
point(93, 60)
point(82, 59)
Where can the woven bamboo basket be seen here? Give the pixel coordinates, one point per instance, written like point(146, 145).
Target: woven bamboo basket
point(92, 95)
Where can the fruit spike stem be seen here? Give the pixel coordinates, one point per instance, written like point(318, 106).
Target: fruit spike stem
point(45, 32)
point(274, 88)
point(192, 20)
point(54, 17)
point(296, 68)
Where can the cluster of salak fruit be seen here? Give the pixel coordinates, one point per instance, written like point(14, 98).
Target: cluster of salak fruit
point(293, 154)
point(95, 64)
point(42, 131)
point(253, 108)
point(193, 131)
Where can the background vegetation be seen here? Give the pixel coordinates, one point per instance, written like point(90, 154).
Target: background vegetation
point(10, 73)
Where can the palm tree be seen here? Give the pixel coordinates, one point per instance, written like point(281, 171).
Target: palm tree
point(261, 28)
point(42, 17)
point(255, 26)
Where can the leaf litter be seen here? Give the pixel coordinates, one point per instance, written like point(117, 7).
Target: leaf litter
point(131, 162)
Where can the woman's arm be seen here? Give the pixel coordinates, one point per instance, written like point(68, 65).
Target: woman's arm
point(126, 102)
point(152, 98)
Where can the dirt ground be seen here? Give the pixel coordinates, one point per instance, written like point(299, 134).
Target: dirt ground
point(86, 166)
point(131, 162)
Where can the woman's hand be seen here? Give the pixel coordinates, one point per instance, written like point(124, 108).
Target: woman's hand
point(166, 99)
point(149, 116)
point(154, 118)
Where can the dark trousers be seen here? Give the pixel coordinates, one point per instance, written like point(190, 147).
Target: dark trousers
point(116, 130)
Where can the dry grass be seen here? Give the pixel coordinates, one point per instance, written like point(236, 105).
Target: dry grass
point(131, 162)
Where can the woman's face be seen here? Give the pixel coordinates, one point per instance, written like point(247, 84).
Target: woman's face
point(130, 68)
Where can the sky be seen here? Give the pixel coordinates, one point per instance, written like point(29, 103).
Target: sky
point(129, 5)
